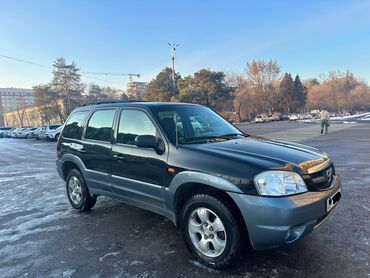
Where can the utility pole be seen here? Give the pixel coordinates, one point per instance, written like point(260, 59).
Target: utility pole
point(173, 49)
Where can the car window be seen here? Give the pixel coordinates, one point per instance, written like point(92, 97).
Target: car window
point(168, 118)
point(100, 125)
point(192, 123)
point(73, 127)
point(133, 123)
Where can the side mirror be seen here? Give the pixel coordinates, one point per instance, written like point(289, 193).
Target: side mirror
point(146, 141)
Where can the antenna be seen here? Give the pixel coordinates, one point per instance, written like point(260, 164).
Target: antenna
point(176, 135)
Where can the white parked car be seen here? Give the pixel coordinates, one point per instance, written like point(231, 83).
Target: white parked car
point(53, 134)
point(308, 116)
point(46, 129)
point(4, 130)
point(293, 117)
point(274, 117)
point(261, 119)
point(25, 132)
point(17, 132)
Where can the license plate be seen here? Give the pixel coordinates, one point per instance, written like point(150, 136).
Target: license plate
point(333, 200)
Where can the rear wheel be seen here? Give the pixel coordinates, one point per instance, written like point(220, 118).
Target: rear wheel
point(77, 191)
point(210, 231)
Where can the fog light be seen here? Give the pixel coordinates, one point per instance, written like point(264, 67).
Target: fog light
point(295, 233)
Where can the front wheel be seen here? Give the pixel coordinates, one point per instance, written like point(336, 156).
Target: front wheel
point(77, 191)
point(210, 231)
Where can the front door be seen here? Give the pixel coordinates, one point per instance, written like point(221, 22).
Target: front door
point(138, 173)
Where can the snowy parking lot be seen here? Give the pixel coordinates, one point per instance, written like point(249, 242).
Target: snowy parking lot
point(41, 236)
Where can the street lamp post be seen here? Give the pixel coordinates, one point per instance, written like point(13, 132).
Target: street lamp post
point(173, 49)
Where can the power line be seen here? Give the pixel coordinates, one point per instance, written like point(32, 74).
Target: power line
point(24, 61)
point(48, 67)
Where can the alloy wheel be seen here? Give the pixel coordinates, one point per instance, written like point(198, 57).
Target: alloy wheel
point(207, 232)
point(75, 190)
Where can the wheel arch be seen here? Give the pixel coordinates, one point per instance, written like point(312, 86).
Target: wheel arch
point(187, 184)
point(190, 189)
point(71, 162)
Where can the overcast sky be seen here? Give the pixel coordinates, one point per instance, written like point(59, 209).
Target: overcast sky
point(305, 37)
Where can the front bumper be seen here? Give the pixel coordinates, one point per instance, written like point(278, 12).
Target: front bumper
point(274, 221)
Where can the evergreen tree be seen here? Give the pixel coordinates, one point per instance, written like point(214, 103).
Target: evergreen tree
point(161, 88)
point(67, 83)
point(300, 94)
point(287, 102)
point(205, 87)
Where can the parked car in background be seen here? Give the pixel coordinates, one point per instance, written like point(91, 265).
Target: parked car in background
point(7, 133)
point(42, 134)
point(25, 132)
point(34, 134)
point(261, 119)
point(13, 132)
point(53, 134)
point(3, 130)
point(293, 117)
point(274, 117)
point(284, 117)
point(270, 118)
point(17, 132)
point(307, 116)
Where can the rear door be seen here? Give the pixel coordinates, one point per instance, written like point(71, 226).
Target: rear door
point(138, 173)
point(95, 150)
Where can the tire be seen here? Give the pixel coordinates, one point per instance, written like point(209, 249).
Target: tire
point(216, 255)
point(79, 198)
point(56, 137)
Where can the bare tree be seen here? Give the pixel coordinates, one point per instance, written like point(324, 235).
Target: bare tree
point(340, 92)
point(49, 103)
point(244, 98)
point(21, 110)
point(263, 76)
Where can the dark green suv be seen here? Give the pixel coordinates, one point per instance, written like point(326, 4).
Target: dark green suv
point(185, 162)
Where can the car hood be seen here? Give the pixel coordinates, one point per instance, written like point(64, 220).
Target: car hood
point(259, 150)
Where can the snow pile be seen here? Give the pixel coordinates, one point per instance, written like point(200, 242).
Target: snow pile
point(363, 116)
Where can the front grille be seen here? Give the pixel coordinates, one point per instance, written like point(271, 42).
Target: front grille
point(320, 180)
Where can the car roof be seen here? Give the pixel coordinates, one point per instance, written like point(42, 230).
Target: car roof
point(144, 104)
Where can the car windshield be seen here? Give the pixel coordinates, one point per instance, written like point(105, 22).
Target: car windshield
point(194, 124)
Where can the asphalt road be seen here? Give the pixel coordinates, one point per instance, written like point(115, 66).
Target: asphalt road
point(41, 236)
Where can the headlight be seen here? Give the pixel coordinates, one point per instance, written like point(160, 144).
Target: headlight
point(279, 183)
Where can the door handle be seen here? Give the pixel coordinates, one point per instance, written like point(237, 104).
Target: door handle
point(82, 150)
point(119, 156)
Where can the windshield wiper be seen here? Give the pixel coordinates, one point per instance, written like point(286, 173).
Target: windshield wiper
point(232, 135)
point(209, 138)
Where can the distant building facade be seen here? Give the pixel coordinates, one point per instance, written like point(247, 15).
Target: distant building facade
point(136, 90)
point(29, 116)
point(13, 98)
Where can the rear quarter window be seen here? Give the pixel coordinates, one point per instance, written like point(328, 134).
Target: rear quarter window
point(74, 126)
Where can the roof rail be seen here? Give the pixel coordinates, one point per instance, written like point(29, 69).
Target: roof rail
point(112, 101)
